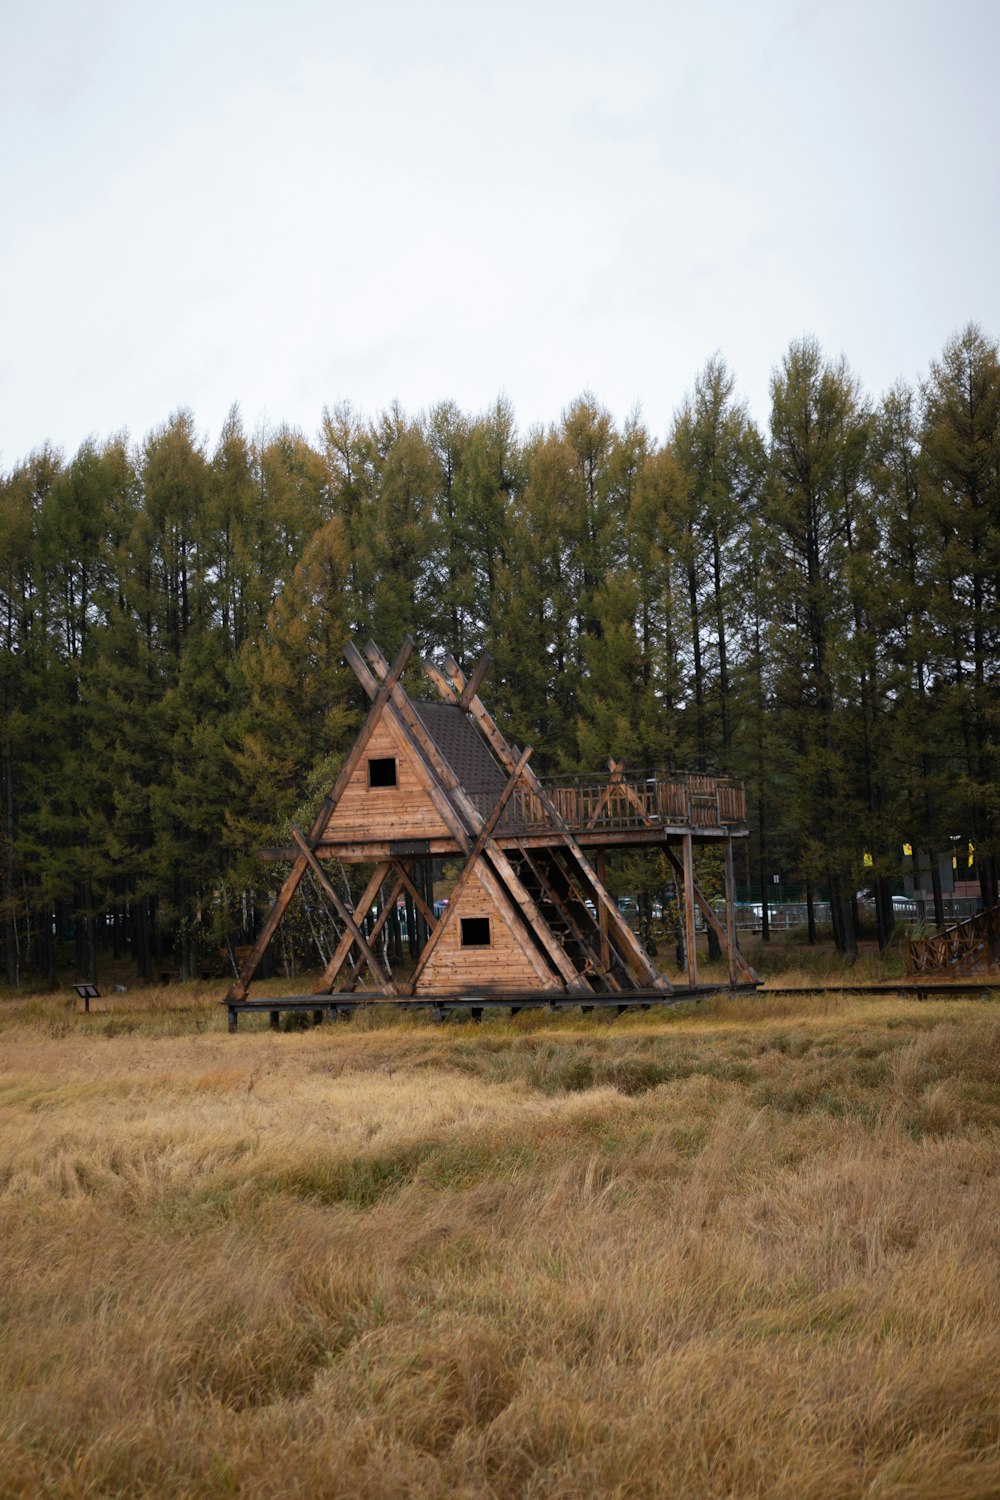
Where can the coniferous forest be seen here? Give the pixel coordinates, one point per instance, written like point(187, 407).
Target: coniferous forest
point(814, 608)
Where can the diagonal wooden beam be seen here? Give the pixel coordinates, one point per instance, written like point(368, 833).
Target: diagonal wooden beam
point(240, 989)
point(601, 964)
point(380, 921)
point(425, 759)
point(625, 938)
point(620, 783)
point(616, 767)
point(466, 871)
point(342, 951)
point(345, 916)
point(440, 681)
point(633, 796)
point(418, 900)
point(475, 681)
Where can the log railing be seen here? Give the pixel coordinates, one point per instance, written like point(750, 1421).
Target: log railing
point(628, 801)
point(957, 948)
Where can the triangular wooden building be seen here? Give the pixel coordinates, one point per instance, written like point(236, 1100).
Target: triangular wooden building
point(529, 911)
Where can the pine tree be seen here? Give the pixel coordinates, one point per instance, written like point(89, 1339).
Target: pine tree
point(961, 468)
point(819, 437)
point(721, 459)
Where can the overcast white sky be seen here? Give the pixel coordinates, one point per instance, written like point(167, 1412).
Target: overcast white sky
point(288, 204)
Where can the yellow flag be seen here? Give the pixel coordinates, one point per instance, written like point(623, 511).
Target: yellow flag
point(972, 854)
point(908, 849)
point(868, 861)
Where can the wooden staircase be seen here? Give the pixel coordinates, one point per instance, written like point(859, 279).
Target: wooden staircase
point(555, 886)
point(968, 947)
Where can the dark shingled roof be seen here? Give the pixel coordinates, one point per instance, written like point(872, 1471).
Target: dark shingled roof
point(463, 747)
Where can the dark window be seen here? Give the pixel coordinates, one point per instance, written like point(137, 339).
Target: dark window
point(382, 772)
point(475, 932)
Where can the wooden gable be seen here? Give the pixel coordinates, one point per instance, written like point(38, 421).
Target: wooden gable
point(385, 798)
point(478, 950)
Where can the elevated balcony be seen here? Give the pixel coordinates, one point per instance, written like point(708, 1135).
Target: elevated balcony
point(630, 806)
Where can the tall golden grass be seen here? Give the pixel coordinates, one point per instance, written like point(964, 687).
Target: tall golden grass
point(749, 1248)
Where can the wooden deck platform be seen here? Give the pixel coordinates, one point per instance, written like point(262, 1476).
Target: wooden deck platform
point(623, 808)
point(324, 1008)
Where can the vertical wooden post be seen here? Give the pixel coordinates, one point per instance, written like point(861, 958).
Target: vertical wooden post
point(730, 880)
point(602, 916)
point(689, 931)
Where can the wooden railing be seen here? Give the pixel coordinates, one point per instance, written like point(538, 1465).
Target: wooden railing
point(958, 948)
point(628, 801)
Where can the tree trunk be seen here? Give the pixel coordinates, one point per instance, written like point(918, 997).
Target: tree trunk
point(884, 920)
point(841, 910)
point(810, 912)
point(9, 879)
point(936, 889)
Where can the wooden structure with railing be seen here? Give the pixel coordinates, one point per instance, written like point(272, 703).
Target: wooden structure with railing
point(968, 947)
point(529, 911)
point(627, 806)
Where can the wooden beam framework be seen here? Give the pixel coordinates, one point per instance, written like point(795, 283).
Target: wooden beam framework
point(726, 935)
point(619, 929)
point(241, 987)
point(514, 841)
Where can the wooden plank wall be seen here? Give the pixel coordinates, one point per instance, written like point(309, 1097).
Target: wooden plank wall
point(452, 968)
point(404, 811)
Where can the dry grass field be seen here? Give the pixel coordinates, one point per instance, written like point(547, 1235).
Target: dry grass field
point(750, 1248)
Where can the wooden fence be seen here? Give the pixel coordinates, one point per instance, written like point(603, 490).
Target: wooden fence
point(627, 802)
point(958, 949)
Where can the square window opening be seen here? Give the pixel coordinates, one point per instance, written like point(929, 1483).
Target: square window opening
point(382, 772)
point(475, 932)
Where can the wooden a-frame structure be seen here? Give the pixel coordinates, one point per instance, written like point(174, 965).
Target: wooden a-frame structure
point(529, 911)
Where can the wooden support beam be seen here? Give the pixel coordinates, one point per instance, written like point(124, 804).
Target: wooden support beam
point(418, 899)
point(466, 872)
point(387, 907)
point(241, 987)
point(619, 783)
point(440, 681)
point(372, 850)
point(730, 889)
point(342, 951)
point(475, 681)
point(631, 795)
point(616, 767)
point(712, 920)
point(345, 916)
point(690, 944)
point(601, 965)
point(626, 940)
point(602, 916)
